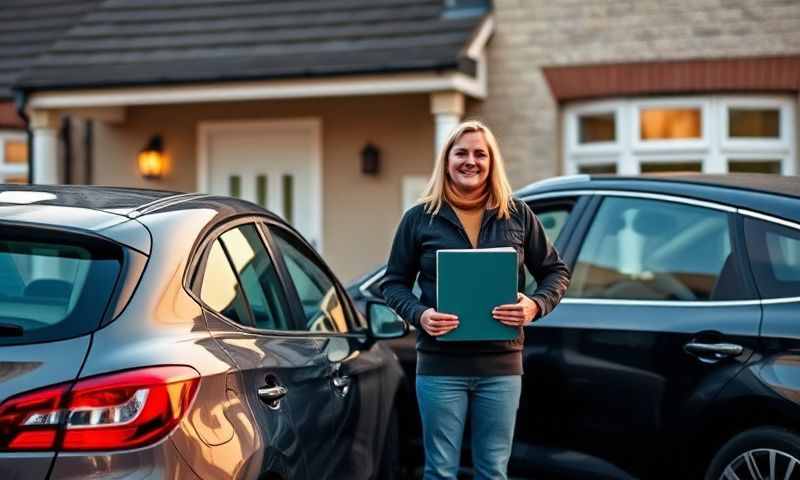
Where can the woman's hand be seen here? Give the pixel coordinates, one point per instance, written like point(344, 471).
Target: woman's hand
point(517, 314)
point(436, 323)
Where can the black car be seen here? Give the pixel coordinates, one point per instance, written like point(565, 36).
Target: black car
point(149, 334)
point(674, 353)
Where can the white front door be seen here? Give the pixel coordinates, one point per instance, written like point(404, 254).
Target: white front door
point(273, 164)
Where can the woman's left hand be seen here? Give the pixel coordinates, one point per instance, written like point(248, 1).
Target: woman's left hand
point(517, 314)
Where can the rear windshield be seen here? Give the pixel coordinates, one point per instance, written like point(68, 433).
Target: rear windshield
point(53, 285)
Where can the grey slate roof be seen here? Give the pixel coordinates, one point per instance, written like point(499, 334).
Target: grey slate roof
point(27, 28)
point(142, 42)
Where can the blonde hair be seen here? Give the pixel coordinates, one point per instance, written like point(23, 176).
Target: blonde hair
point(499, 188)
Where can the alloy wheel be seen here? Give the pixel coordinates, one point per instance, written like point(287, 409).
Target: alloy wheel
point(762, 464)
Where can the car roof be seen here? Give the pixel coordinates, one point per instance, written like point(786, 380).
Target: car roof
point(769, 194)
point(131, 203)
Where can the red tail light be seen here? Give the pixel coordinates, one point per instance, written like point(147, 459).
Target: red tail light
point(109, 412)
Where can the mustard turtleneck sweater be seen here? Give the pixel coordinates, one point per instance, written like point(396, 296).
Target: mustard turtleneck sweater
point(469, 211)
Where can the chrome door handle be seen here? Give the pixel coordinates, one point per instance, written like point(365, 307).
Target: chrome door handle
point(272, 395)
point(712, 352)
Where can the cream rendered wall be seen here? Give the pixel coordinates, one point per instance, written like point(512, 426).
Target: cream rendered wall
point(360, 212)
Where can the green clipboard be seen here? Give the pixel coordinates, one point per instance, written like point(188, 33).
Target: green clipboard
point(469, 284)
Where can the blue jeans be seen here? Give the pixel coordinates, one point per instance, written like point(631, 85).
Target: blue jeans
point(443, 405)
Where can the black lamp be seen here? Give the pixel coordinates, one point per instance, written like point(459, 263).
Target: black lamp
point(370, 159)
point(151, 159)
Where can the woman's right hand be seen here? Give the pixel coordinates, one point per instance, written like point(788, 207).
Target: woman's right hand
point(436, 323)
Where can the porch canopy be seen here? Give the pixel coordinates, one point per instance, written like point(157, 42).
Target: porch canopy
point(146, 52)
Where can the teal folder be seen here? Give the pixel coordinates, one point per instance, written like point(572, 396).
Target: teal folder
point(469, 284)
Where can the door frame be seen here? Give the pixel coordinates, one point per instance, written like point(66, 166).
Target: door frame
point(312, 125)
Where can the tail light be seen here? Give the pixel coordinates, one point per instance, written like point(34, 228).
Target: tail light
point(109, 412)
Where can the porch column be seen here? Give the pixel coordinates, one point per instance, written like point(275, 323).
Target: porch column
point(447, 109)
point(44, 126)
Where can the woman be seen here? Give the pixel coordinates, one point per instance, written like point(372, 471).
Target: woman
point(468, 204)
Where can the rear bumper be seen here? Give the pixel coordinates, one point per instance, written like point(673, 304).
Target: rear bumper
point(28, 466)
point(159, 461)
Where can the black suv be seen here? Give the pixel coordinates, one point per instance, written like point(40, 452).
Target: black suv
point(675, 351)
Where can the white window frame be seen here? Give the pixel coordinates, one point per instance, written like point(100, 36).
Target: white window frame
point(7, 170)
point(714, 149)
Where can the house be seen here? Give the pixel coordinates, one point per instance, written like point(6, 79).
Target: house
point(329, 112)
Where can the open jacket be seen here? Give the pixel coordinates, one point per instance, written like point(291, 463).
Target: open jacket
point(421, 234)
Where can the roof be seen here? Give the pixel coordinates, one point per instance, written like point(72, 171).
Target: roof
point(770, 194)
point(92, 197)
point(144, 42)
point(29, 27)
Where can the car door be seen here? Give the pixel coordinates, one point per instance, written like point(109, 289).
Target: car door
point(363, 375)
point(283, 373)
point(657, 318)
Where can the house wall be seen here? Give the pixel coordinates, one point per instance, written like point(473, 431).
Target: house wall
point(531, 34)
point(360, 212)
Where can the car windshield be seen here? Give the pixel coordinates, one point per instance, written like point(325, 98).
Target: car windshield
point(53, 286)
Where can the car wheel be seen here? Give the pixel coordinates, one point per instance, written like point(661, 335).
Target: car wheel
point(765, 452)
point(390, 457)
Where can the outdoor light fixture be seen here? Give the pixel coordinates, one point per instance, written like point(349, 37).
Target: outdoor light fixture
point(370, 160)
point(151, 159)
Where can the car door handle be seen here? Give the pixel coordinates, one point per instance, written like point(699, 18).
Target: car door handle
point(272, 395)
point(339, 381)
point(713, 351)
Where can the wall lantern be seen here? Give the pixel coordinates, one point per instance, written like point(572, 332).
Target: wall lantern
point(370, 160)
point(151, 159)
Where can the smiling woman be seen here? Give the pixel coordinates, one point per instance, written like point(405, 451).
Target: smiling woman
point(468, 204)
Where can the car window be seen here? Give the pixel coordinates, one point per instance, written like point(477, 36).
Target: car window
point(257, 276)
point(641, 249)
point(322, 305)
point(774, 252)
point(220, 289)
point(53, 286)
point(553, 218)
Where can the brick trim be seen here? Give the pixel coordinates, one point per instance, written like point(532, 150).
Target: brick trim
point(761, 74)
point(9, 117)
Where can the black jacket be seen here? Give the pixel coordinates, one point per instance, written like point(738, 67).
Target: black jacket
point(420, 235)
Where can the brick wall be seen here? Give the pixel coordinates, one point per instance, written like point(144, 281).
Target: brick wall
point(531, 34)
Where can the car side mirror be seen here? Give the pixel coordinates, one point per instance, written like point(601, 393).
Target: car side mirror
point(384, 323)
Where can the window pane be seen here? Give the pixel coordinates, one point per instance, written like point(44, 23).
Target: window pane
point(755, 166)
point(220, 289)
point(323, 308)
point(652, 250)
point(553, 221)
point(258, 277)
point(261, 190)
point(597, 169)
point(669, 124)
point(288, 199)
point(749, 123)
point(15, 179)
point(16, 152)
point(235, 186)
point(671, 167)
point(775, 256)
point(599, 127)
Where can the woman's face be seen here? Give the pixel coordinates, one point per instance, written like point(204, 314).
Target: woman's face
point(468, 163)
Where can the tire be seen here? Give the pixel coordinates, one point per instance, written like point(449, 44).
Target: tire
point(749, 455)
point(390, 457)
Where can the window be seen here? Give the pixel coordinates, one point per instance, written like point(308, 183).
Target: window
point(553, 217)
point(13, 157)
point(324, 309)
point(53, 285)
point(220, 290)
point(641, 249)
point(241, 283)
point(668, 124)
point(257, 277)
point(710, 134)
point(774, 252)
